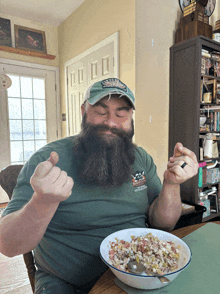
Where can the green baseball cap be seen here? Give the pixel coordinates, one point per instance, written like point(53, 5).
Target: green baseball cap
point(107, 87)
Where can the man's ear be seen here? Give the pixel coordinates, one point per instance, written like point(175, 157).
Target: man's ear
point(83, 109)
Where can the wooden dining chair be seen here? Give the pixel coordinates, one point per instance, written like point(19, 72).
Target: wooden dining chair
point(8, 180)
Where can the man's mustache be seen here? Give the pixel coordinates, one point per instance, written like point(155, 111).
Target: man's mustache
point(103, 128)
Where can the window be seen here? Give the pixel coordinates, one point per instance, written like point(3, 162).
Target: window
point(27, 116)
point(29, 110)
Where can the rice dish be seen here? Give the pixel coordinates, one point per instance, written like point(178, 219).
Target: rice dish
point(156, 255)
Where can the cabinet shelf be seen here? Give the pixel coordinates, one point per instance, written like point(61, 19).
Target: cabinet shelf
point(217, 158)
point(25, 52)
point(209, 104)
point(210, 77)
point(207, 132)
point(211, 216)
point(208, 185)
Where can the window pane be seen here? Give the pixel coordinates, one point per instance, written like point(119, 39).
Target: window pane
point(27, 108)
point(14, 90)
point(27, 117)
point(39, 109)
point(28, 129)
point(40, 143)
point(26, 87)
point(40, 129)
point(38, 88)
point(28, 149)
point(16, 151)
point(15, 130)
point(14, 107)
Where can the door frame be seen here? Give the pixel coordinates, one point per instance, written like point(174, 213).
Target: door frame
point(57, 85)
point(113, 38)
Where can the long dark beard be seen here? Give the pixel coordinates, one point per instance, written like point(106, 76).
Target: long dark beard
point(104, 160)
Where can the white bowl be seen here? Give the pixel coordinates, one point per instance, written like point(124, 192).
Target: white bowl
point(143, 281)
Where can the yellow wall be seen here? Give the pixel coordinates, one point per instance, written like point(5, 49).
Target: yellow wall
point(92, 22)
point(156, 23)
point(51, 34)
point(155, 26)
point(145, 68)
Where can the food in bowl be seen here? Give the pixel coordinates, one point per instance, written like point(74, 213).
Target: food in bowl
point(158, 256)
point(144, 281)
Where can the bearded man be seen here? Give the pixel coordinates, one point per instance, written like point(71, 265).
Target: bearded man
point(92, 185)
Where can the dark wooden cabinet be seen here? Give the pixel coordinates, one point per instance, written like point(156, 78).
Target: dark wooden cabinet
point(184, 108)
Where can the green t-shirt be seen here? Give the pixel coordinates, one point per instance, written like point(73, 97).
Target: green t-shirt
point(70, 245)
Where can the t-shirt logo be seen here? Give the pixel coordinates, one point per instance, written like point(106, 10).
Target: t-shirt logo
point(138, 179)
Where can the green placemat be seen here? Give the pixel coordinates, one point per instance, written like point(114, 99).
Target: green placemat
point(202, 276)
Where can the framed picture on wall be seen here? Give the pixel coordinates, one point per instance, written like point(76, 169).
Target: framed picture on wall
point(30, 39)
point(5, 32)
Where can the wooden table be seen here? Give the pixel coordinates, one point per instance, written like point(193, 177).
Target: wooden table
point(106, 285)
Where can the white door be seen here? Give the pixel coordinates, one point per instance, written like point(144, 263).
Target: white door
point(77, 85)
point(98, 63)
point(101, 64)
point(28, 113)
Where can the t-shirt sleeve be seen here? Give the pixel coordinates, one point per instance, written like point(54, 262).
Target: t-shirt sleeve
point(153, 181)
point(23, 191)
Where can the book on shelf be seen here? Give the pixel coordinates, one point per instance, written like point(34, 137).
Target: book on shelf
point(215, 127)
point(201, 151)
point(200, 177)
point(218, 197)
point(212, 122)
point(202, 174)
point(201, 91)
point(214, 207)
point(214, 117)
point(218, 87)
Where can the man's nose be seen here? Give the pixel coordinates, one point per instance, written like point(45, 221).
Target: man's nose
point(110, 121)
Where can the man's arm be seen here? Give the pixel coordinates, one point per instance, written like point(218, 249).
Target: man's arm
point(21, 231)
point(166, 209)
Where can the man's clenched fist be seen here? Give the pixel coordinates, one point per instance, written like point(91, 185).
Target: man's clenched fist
point(50, 184)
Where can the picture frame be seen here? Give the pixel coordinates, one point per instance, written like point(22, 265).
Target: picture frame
point(30, 39)
point(5, 32)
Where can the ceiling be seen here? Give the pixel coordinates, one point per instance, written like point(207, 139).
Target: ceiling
point(52, 12)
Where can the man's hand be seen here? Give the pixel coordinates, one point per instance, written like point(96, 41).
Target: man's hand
point(50, 184)
point(21, 231)
point(175, 174)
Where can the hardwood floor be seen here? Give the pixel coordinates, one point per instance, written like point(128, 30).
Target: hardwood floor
point(13, 276)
